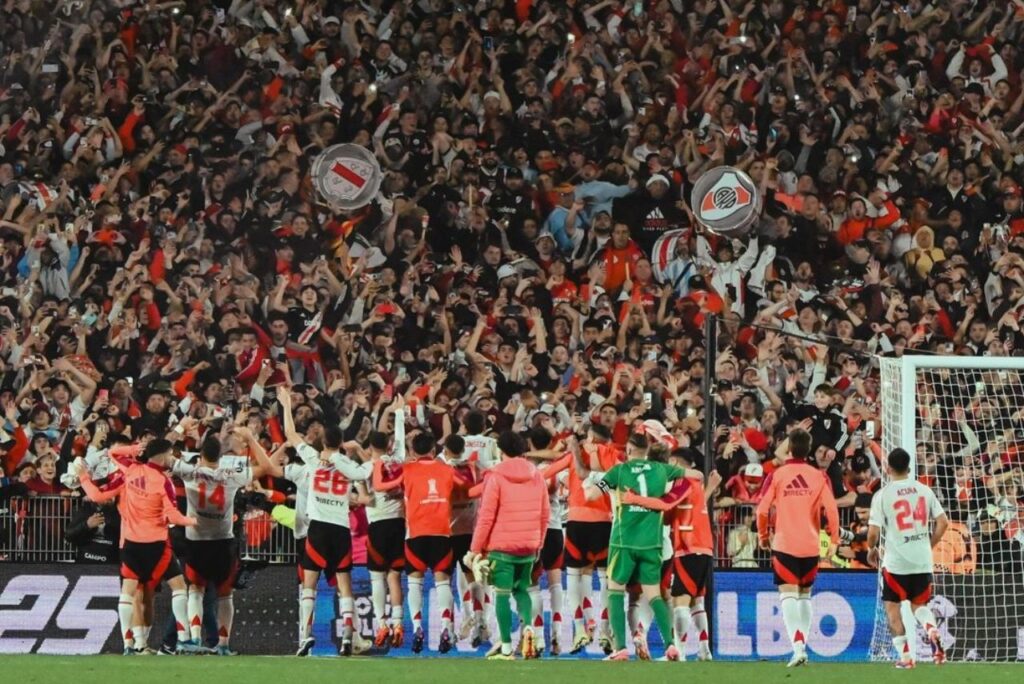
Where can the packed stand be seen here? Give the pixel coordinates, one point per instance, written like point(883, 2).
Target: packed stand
point(532, 254)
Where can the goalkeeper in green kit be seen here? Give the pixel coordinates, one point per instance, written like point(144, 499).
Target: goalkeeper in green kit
point(636, 540)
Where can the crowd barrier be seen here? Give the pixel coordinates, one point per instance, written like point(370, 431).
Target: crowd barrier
point(32, 529)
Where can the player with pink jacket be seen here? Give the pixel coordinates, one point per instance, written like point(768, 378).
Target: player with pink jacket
point(511, 521)
point(146, 500)
point(793, 502)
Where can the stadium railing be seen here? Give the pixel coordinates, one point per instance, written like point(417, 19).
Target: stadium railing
point(32, 529)
point(267, 541)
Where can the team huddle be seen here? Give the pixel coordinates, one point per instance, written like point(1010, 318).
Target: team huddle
point(498, 514)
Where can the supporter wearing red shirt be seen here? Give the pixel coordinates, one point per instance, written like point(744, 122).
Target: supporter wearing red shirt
point(619, 256)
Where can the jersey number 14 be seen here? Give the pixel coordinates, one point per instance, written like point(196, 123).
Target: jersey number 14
point(216, 498)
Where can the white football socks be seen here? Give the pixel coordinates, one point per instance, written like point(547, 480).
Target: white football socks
point(925, 616)
point(574, 589)
point(225, 618)
point(462, 584)
point(791, 618)
point(805, 605)
point(446, 603)
point(307, 602)
point(347, 610)
point(681, 628)
point(195, 613)
point(179, 606)
point(378, 596)
point(557, 604)
point(125, 612)
point(902, 650)
point(415, 589)
point(700, 621)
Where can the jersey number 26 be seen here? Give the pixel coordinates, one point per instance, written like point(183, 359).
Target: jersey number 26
point(330, 481)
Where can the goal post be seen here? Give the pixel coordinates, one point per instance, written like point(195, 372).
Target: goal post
point(961, 419)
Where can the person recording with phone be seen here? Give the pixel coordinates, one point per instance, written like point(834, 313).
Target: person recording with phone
point(95, 532)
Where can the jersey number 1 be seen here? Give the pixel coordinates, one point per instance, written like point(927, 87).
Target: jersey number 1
point(906, 517)
point(216, 497)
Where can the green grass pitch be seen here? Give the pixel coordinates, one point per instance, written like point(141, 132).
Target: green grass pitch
point(282, 670)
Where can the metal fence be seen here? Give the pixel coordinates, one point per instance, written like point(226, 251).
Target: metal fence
point(736, 545)
point(266, 540)
point(736, 539)
point(32, 529)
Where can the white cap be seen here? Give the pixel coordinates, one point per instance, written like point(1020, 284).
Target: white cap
point(506, 271)
point(655, 178)
point(753, 470)
point(492, 93)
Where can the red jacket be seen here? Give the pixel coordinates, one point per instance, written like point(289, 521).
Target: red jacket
point(514, 510)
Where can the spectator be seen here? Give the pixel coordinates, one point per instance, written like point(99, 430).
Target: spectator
point(95, 532)
point(744, 487)
point(46, 481)
point(742, 542)
point(924, 256)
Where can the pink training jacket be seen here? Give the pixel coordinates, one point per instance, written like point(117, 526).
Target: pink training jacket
point(514, 510)
point(145, 497)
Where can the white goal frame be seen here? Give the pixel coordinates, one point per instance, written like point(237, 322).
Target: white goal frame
point(907, 366)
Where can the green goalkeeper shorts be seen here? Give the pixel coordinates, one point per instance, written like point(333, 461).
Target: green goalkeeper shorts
point(631, 565)
point(511, 573)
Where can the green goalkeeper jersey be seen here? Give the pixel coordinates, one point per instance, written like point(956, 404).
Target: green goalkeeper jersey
point(636, 527)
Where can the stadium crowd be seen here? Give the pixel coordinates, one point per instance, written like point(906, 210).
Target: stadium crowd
point(532, 255)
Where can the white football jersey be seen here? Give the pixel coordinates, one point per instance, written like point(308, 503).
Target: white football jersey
point(210, 493)
point(482, 449)
point(300, 474)
point(556, 501)
point(389, 505)
point(904, 511)
point(330, 486)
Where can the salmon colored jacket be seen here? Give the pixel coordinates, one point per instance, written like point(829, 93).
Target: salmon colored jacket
point(514, 509)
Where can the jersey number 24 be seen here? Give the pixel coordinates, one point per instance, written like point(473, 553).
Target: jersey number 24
point(907, 515)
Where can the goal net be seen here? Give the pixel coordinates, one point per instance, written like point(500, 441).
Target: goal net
point(962, 421)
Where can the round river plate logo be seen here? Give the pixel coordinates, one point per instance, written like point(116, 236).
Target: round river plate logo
point(726, 201)
point(347, 176)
